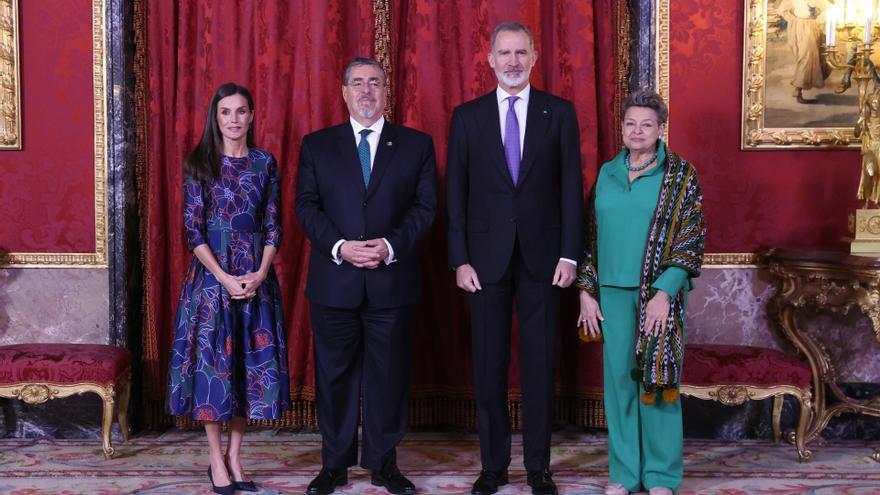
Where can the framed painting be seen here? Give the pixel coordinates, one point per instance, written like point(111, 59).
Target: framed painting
point(55, 194)
point(791, 96)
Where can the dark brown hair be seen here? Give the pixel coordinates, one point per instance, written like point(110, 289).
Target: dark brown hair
point(203, 162)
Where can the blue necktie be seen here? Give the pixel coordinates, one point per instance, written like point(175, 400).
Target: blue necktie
point(364, 155)
point(511, 141)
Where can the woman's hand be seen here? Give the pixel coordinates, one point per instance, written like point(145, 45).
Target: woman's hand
point(590, 315)
point(235, 288)
point(657, 314)
point(250, 282)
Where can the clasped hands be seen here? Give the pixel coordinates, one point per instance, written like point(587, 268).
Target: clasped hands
point(364, 254)
point(243, 286)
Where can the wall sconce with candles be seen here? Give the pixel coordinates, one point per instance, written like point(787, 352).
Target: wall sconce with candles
point(856, 23)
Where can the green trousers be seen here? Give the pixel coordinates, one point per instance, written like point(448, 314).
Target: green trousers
point(644, 442)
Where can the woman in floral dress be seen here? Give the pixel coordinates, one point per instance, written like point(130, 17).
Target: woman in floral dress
point(229, 357)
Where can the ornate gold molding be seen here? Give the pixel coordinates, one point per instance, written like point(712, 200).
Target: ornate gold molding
point(754, 135)
point(10, 84)
point(736, 394)
point(98, 259)
point(50, 260)
point(662, 56)
point(621, 90)
point(382, 47)
point(731, 260)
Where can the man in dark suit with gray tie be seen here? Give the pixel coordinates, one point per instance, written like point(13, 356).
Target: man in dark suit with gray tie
point(366, 193)
point(514, 199)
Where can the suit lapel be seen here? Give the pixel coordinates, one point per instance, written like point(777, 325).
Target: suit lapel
point(349, 163)
point(491, 128)
point(386, 148)
point(537, 122)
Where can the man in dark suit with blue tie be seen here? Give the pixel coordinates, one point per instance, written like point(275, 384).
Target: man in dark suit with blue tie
point(366, 193)
point(514, 199)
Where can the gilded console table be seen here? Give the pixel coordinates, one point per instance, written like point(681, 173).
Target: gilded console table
point(836, 282)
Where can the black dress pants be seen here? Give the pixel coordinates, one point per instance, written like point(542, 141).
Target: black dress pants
point(537, 309)
point(362, 352)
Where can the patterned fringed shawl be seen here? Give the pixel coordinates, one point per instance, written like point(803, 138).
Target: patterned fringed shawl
point(675, 238)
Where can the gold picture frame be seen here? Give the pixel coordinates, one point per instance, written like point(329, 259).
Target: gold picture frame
point(97, 259)
point(661, 82)
point(10, 93)
point(787, 104)
point(661, 55)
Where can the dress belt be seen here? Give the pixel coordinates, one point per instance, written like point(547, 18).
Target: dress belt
point(224, 244)
point(231, 230)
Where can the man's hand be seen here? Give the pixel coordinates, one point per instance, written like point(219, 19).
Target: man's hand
point(379, 247)
point(565, 273)
point(362, 254)
point(466, 278)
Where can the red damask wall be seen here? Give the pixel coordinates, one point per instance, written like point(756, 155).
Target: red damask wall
point(47, 188)
point(752, 198)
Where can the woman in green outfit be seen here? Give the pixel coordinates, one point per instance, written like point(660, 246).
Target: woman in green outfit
point(644, 244)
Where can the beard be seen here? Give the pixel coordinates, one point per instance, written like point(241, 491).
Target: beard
point(513, 79)
point(367, 108)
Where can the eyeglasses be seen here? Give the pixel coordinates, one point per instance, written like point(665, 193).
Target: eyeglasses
point(359, 84)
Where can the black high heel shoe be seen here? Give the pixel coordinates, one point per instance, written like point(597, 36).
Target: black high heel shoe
point(246, 486)
point(242, 486)
point(221, 490)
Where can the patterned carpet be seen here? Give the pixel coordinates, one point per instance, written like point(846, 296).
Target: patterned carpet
point(438, 463)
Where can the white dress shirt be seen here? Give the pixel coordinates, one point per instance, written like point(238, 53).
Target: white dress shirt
point(520, 108)
point(373, 140)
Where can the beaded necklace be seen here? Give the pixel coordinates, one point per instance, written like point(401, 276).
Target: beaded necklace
point(643, 166)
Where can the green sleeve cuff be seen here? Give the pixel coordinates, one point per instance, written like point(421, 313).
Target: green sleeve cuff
point(672, 280)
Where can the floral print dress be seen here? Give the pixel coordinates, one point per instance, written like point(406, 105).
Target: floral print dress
point(229, 357)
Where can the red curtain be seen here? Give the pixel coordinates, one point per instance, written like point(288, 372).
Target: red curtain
point(291, 55)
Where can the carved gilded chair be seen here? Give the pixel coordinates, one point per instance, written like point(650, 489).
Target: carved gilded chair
point(733, 374)
point(36, 373)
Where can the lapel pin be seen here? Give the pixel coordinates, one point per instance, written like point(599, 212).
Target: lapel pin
point(545, 111)
point(389, 143)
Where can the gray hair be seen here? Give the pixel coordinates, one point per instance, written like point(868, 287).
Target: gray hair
point(648, 99)
point(360, 62)
point(514, 27)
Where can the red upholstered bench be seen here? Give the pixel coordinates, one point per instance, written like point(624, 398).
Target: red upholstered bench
point(733, 374)
point(36, 373)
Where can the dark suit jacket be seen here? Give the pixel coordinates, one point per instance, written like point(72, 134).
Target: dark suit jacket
point(487, 213)
point(332, 204)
